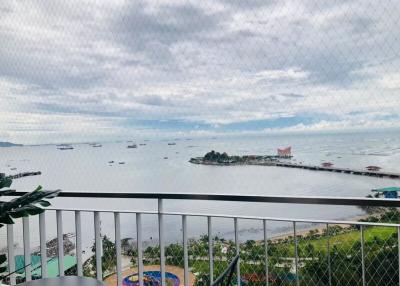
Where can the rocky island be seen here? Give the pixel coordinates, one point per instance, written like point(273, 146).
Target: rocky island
point(216, 158)
point(282, 159)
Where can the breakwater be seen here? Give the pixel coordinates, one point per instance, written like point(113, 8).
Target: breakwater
point(261, 161)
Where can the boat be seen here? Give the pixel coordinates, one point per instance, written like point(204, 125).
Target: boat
point(96, 145)
point(165, 158)
point(172, 143)
point(142, 144)
point(132, 146)
point(121, 163)
point(65, 147)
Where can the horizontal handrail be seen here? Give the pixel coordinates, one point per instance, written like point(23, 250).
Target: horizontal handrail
point(312, 200)
point(217, 215)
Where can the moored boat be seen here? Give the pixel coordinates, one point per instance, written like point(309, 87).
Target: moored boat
point(65, 147)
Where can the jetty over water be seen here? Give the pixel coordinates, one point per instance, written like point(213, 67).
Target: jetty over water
point(359, 172)
point(218, 159)
point(24, 174)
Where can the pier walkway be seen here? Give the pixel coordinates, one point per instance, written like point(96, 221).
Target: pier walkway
point(339, 170)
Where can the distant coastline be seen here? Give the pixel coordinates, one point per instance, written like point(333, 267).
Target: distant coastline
point(9, 144)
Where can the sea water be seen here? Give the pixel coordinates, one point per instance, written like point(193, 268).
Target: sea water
point(158, 167)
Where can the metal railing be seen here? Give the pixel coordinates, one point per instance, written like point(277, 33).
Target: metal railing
point(297, 243)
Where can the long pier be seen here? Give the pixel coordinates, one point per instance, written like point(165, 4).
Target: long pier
point(24, 174)
point(263, 162)
point(358, 172)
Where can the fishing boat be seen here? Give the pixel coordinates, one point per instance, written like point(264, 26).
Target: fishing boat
point(65, 147)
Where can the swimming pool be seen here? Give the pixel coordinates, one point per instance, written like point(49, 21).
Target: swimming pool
point(151, 278)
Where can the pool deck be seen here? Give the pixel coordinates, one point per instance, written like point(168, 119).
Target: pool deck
point(112, 280)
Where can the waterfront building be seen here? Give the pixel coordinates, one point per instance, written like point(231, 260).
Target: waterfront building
point(285, 152)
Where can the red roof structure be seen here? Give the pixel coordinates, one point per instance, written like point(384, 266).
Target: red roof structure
point(285, 152)
point(327, 164)
point(373, 168)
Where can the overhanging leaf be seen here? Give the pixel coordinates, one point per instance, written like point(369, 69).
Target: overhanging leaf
point(6, 219)
point(3, 258)
point(38, 188)
point(44, 203)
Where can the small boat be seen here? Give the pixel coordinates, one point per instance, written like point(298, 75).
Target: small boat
point(110, 162)
point(172, 143)
point(65, 147)
point(165, 158)
point(96, 145)
point(132, 146)
point(142, 144)
point(121, 163)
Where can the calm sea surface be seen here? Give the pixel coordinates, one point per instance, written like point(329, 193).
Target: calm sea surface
point(145, 170)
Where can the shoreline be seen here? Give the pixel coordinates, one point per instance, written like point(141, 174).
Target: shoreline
point(318, 227)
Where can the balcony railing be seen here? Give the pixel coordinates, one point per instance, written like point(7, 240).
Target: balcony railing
point(343, 253)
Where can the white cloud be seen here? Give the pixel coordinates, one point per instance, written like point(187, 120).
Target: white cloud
point(208, 62)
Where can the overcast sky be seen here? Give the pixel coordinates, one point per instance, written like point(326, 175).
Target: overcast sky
point(85, 70)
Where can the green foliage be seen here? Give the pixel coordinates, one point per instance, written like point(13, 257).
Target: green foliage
point(108, 260)
point(24, 206)
point(216, 156)
point(27, 205)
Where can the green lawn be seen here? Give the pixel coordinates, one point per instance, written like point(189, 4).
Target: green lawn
point(343, 241)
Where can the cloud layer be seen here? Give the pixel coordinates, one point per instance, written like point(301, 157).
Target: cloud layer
point(109, 69)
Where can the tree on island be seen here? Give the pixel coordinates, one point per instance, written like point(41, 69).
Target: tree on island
point(216, 156)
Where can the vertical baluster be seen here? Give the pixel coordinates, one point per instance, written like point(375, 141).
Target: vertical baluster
point(329, 255)
point(185, 251)
point(27, 248)
point(139, 247)
point(60, 243)
point(43, 248)
point(296, 254)
point(210, 249)
point(237, 245)
point(10, 248)
point(161, 237)
point(98, 242)
point(78, 231)
point(117, 226)
point(362, 255)
point(398, 249)
point(266, 252)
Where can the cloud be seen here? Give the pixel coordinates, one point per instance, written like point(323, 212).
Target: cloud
point(223, 65)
